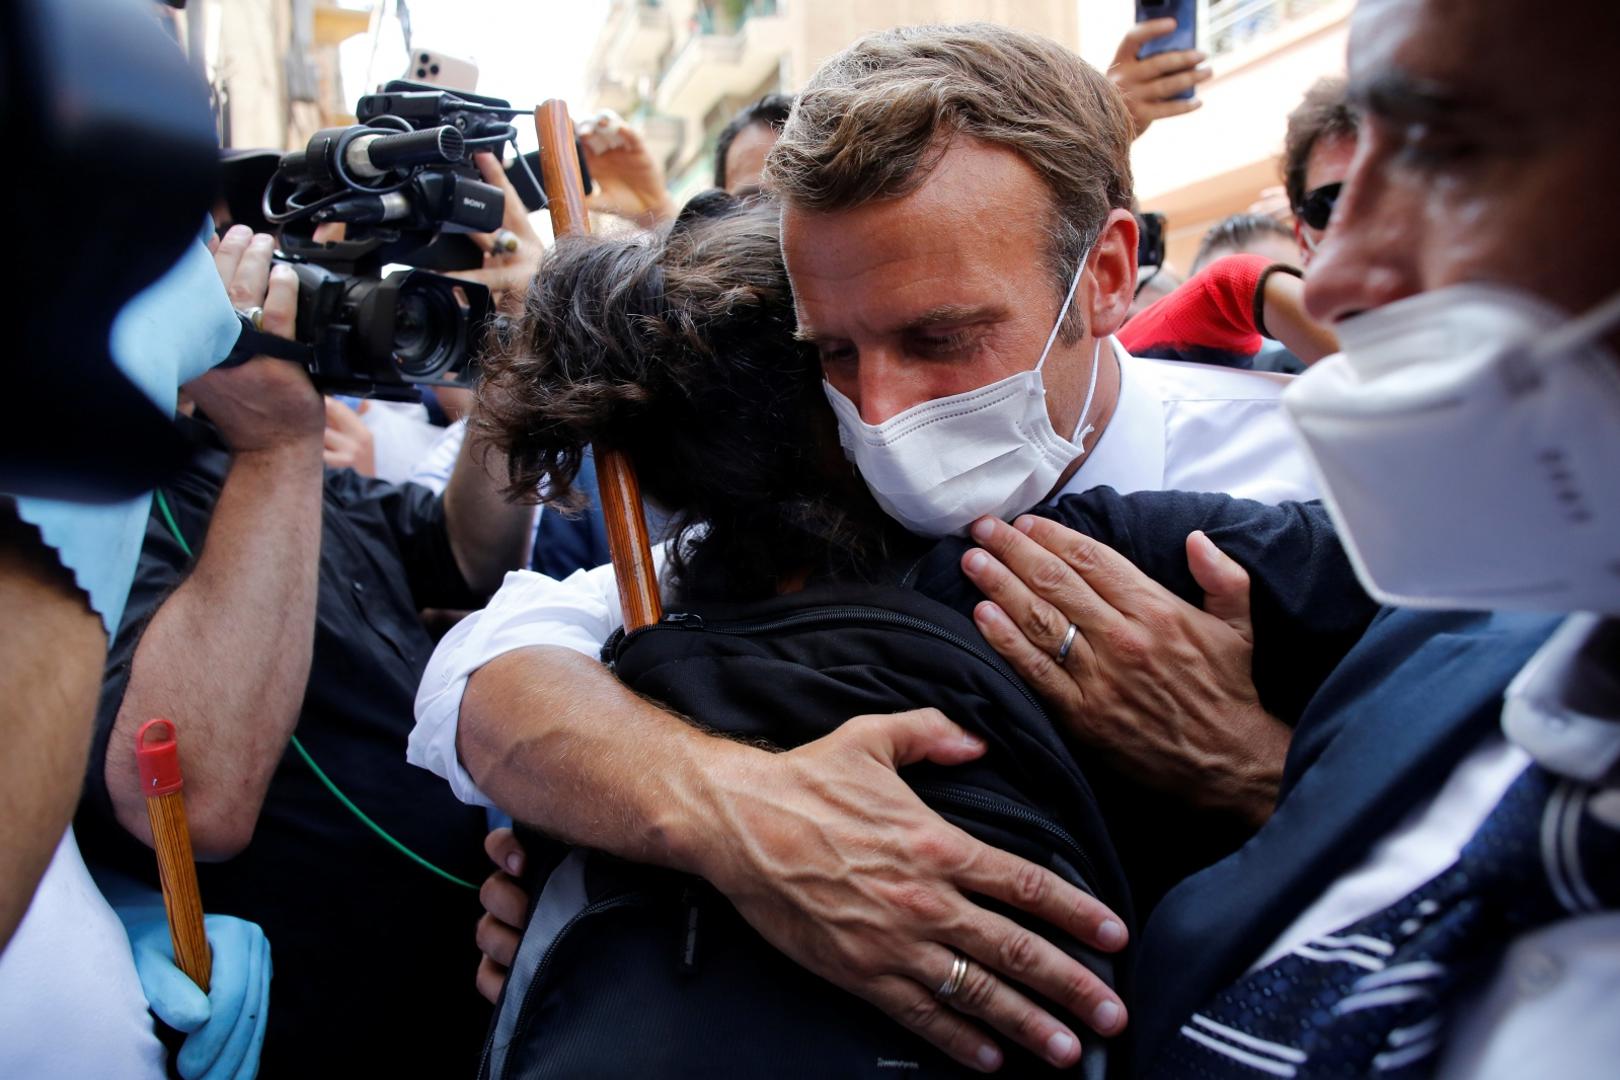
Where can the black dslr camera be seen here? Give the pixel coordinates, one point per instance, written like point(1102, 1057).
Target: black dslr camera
point(403, 186)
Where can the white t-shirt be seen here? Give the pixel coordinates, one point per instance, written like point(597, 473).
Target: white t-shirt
point(1186, 427)
point(71, 1004)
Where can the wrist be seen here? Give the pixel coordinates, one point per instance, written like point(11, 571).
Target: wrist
point(1278, 293)
point(297, 454)
point(1256, 778)
point(693, 828)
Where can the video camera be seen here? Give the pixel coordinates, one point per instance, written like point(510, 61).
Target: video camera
point(402, 185)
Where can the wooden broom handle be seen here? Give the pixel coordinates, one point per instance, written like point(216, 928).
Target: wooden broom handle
point(158, 761)
point(628, 543)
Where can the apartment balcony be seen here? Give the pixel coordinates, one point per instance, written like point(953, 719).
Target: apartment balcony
point(611, 92)
point(638, 35)
point(1239, 28)
point(723, 57)
point(662, 134)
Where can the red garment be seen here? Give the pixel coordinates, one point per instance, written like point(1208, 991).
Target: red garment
point(1212, 311)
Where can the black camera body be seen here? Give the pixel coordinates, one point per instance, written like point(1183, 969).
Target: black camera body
point(402, 185)
point(382, 336)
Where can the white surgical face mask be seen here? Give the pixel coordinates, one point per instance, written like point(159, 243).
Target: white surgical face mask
point(941, 465)
point(1467, 441)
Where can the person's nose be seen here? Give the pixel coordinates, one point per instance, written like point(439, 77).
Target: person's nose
point(1369, 255)
point(886, 385)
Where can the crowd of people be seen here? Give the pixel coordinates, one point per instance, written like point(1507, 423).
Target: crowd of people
point(1218, 685)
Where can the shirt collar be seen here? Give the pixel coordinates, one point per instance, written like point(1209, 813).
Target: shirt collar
point(1564, 706)
point(1129, 453)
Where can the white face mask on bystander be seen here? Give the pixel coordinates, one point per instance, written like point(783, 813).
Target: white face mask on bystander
point(941, 465)
point(1467, 441)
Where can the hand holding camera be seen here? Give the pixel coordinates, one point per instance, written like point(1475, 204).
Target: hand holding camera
point(508, 268)
point(264, 403)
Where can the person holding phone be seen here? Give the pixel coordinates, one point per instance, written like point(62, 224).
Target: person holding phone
point(1157, 82)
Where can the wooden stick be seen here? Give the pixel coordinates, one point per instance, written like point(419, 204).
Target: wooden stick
point(159, 763)
point(620, 493)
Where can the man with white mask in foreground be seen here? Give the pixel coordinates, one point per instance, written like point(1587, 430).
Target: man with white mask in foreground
point(1437, 890)
point(958, 233)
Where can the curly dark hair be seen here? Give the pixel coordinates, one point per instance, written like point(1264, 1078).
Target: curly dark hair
point(678, 349)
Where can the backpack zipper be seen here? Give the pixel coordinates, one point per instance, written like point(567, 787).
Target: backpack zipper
point(967, 798)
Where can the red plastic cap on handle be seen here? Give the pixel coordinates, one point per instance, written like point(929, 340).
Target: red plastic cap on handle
point(158, 758)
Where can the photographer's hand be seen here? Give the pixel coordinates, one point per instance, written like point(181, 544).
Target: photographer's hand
point(506, 273)
point(349, 442)
point(266, 403)
point(227, 654)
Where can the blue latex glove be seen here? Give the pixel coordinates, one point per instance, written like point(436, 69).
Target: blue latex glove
point(224, 1028)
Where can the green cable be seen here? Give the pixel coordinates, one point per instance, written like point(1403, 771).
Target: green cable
point(320, 774)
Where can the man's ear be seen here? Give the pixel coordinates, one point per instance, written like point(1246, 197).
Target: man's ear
point(1113, 263)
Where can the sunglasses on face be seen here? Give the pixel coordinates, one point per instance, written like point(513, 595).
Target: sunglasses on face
point(1317, 206)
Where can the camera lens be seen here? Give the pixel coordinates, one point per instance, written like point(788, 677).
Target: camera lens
point(429, 328)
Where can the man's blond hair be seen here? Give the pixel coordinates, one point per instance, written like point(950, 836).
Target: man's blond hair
point(875, 120)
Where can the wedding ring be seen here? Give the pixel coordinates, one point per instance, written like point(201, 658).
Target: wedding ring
point(1068, 643)
point(953, 982)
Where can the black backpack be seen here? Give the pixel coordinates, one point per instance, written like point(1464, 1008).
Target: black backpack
point(632, 971)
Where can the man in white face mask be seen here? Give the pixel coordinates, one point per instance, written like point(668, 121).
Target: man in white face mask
point(1438, 892)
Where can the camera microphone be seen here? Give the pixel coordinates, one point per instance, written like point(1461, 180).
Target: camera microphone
point(371, 156)
point(368, 209)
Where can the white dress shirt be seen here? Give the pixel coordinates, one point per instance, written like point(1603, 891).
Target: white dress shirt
point(1175, 427)
point(1549, 1007)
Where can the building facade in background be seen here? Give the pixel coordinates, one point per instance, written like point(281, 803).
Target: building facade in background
point(679, 69)
point(271, 66)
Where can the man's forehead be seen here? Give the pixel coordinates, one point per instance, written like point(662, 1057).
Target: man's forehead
point(1503, 57)
point(947, 246)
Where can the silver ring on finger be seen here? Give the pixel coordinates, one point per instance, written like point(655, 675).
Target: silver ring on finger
point(1068, 643)
point(953, 982)
point(254, 315)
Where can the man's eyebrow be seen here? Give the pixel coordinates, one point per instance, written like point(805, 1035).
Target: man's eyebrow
point(1396, 95)
point(947, 315)
point(944, 315)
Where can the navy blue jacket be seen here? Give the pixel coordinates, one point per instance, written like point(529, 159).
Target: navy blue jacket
point(1409, 701)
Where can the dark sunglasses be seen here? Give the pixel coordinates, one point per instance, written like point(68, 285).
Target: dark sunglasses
point(1317, 206)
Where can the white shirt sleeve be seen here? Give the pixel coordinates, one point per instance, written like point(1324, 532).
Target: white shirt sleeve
point(434, 469)
point(580, 613)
